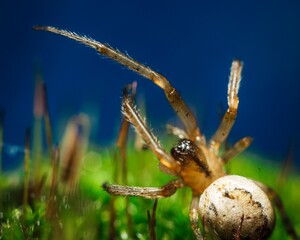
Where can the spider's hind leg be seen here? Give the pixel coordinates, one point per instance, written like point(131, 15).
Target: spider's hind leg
point(236, 149)
point(275, 198)
point(194, 218)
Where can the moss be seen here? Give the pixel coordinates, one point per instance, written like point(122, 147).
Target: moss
point(85, 212)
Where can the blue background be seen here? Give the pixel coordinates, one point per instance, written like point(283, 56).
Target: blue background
point(192, 43)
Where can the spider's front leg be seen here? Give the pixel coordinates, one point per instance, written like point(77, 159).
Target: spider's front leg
point(145, 192)
point(167, 163)
point(174, 98)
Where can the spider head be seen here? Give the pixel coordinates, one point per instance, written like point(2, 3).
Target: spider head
point(183, 150)
point(190, 156)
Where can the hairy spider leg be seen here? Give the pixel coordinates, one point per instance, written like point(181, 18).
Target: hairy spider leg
point(275, 198)
point(178, 104)
point(167, 163)
point(236, 149)
point(146, 192)
point(176, 131)
point(233, 101)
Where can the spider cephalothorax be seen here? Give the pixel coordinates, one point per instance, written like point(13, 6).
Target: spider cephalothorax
point(188, 154)
point(197, 164)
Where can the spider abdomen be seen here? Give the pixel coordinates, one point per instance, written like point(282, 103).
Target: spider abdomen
point(234, 206)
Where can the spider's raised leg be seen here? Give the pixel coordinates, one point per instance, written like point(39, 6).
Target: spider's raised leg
point(233, 101)
point(167, 163)
point(145, 192)
point(274, 197)
point(172, 95)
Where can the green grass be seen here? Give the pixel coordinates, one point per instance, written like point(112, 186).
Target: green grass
point(85, 212)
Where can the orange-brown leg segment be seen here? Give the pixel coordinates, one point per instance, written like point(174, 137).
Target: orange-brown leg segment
point(237, 148)
point(233, 101)
point(145, 192)
point(133, 116)
point(180, 133)
point(172, 95)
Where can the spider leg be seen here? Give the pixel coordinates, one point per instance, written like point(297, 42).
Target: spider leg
point(172, 95)
point(166, 161)
point(145, 192)
point(274, 197)
point(180, 133)
point(233, 101)
point(194, 217)
point(237, 148)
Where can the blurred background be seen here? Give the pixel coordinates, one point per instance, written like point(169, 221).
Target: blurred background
point(192, 43)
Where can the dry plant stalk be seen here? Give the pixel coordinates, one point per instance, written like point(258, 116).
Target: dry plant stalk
point(26, 169)
point(152, 220)
point(2, 115)
point(47, 121)
point(74, 145)
point(51, 205)
point(38, 111)
point(122, 146)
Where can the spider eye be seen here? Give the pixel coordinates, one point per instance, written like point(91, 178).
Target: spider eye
point(187, 153)
point(184, 149)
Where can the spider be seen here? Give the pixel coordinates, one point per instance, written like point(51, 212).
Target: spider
point(230, 207)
